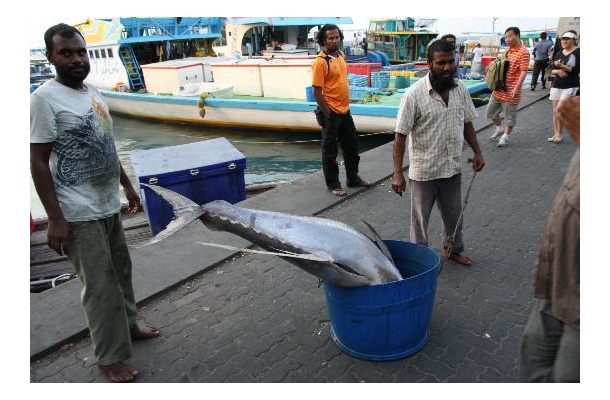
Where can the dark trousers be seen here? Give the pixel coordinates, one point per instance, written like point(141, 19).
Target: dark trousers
point(447, 194)
point(539, 68)
point(339, 128)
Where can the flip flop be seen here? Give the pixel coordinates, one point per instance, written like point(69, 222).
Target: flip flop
point(339, 192)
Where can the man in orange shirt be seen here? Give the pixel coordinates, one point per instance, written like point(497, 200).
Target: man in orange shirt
point(508, 99)
point(331, 91)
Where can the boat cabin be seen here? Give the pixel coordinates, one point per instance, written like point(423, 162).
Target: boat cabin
point(403, 40)
point(119, 46)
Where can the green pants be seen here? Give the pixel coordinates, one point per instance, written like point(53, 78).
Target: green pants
point(99, 254)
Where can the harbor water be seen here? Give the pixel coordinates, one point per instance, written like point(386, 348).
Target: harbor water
point(272, 156)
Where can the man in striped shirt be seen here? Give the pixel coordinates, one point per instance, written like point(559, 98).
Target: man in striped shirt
point(437, 114)
point(508, 99)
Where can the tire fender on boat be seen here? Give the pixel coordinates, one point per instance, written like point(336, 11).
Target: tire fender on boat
point(201, 103)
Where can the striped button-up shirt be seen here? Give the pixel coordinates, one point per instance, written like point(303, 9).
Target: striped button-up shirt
point(557, 268)
point(436, 130)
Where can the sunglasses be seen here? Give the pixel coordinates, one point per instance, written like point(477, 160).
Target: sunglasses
point(566, 38)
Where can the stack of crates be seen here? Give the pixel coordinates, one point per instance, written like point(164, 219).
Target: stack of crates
point(380, 80)
point(357, 93)
point(357, 80)
point(363, 69)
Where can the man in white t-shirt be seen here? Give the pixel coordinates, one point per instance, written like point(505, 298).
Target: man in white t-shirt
point(76, 171)
point(476, 61)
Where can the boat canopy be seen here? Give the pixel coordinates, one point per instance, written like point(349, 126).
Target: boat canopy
point(139, 30)
point(288, 21)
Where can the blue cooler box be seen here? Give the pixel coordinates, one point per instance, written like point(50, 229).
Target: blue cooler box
point(204, 171)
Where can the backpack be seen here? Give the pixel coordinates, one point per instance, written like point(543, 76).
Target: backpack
point(496, 73)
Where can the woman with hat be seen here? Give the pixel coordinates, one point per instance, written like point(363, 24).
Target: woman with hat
point(566, 68)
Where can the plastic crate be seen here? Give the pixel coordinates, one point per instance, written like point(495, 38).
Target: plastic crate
point(357, 80)
point(203, 171)
point(357, 93)
point(380, 80)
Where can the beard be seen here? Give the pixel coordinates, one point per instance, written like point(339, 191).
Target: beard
point(72, 75)
point(442, 83)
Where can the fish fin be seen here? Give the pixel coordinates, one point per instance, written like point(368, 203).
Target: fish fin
point(311, 257)
point(180, 203)
point(374, 236)
point(176, 225)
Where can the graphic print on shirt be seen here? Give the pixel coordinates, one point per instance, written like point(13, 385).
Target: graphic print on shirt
point(86, 153)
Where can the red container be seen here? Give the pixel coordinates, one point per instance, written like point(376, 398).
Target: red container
point(363, 69)
point(486, 60)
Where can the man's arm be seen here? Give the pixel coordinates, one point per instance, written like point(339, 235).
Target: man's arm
point(130, 193)
point(517, 88)
point(470, 136)
point(58, 231)
point(321, 101)
point(399, 184)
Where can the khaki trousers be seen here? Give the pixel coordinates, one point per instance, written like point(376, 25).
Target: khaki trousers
point(99, 254)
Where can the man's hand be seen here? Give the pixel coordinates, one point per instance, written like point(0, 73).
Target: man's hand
point(134, 200)
point(515, 92)
point(58, 235)
point(399, 184)
point(478, 162)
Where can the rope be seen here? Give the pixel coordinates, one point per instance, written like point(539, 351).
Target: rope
point(449, 241)
point(306, 141)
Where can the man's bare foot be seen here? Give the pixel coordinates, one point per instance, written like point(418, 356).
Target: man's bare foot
point(118, 372)
point(457, 257)
point(144, 332)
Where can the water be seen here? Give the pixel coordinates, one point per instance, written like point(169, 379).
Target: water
point(271, 156)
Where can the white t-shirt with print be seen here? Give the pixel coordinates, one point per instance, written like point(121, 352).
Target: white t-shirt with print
point(84, 161)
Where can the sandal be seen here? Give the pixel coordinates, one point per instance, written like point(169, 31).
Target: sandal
point(338, 192)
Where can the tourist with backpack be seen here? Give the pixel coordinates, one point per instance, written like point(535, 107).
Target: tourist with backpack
point(331, 91)
point(506, 96)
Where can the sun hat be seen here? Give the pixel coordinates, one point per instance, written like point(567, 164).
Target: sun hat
point(569, 35)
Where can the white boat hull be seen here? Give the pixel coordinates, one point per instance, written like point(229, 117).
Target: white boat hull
point(187, 111)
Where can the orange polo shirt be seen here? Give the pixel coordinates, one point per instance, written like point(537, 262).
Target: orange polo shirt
point(333, 82)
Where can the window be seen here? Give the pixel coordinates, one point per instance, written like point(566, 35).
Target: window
point(110, 53)
point(91, 54)
point(97, 54)
point(103, 51)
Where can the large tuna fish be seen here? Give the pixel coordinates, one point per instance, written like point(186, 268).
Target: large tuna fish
point(328, 249)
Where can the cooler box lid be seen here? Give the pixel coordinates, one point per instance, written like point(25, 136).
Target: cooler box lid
point(176, 159)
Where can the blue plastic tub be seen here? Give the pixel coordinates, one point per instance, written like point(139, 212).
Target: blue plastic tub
point(309, 93)
point(390, 321)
